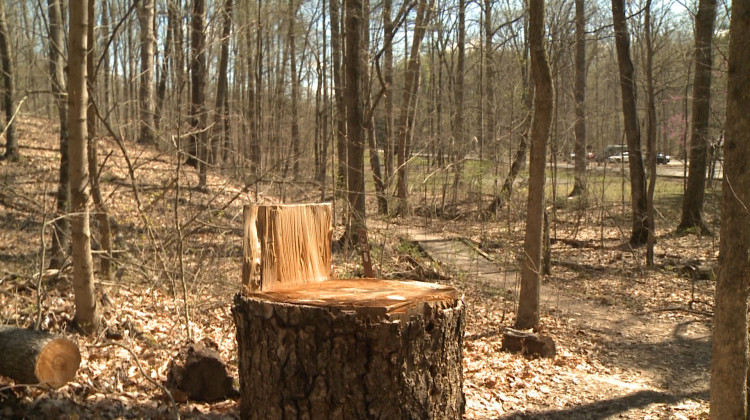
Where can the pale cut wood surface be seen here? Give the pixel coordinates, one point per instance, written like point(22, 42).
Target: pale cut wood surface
point(373, 297)
point(37, 357)
point(286, 245)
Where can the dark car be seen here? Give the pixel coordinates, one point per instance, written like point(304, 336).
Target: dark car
point(662, 159)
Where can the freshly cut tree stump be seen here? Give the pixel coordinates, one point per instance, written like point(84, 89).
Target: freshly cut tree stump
point(529, 344)
point(311, 347)
point(347, 349)
point(37, 357)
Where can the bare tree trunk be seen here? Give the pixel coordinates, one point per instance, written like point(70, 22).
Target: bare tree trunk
point(528, 301)
point(692, 202)
point(354, 119)
point(198, 82)
point(86, 317)
point(101, 214)
point(9, 101)
point(458, 95)
point(61, 234)
point(146, 92)
point(408, 104)
point(222, 95)
point(388, 78)
point(639, 234)
point(650, 136)
point(295, 89)
point(579, 186)
point(729, 359)
point(338, 92)
point(169, 51)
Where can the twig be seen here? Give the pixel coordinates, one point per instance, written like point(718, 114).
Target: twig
point(143, 372)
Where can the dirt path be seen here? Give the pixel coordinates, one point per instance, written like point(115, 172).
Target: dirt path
point(652, 365)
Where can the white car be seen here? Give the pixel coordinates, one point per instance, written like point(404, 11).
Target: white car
point(619, 158)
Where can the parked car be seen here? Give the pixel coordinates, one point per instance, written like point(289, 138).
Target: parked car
point(611, 150)
point(619, 158)
point(662, 159)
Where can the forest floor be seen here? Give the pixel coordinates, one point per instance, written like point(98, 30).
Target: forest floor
point(632, 341)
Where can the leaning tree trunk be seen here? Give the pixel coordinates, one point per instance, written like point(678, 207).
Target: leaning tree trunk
point(313, 347)
point(37, 357)
point(639, 235)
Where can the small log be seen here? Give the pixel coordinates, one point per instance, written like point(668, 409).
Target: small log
point(528, 344)
point(199, 373)
point(37, 357)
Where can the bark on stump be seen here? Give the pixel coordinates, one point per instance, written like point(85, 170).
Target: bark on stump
point(37, 357)
point(345, 349)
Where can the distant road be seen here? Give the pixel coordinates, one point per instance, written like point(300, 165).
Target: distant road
point(674, 169)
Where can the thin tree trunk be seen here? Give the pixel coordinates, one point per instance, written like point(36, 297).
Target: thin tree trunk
point(338, 92)
point(198, 81)
point(458, 96)
point(146, 91)
point(408, 104)
point(86, 316)
point(388, 78)
point(222, 110)
point(161, 86)
point(528, 301)
point(369, 122)
point(579, 186)
point(729, 358)
point(650, 136)
point(354, 118)
point(61, 234)
point(639, 234)
point(295, 89)
point(692, 202)
point(9, 101)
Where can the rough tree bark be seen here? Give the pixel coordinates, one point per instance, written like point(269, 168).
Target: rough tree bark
point(37, 357)
point(650, 135)
point(639, 235)
point(9, 101)
point(528, 303)
point(692, 202)
point(146, 90)
point(354, 119)
point(86, 316)
point(61, 236)
point(198, 95)
point(222, 94)
point(729, 360)
point(579, 92)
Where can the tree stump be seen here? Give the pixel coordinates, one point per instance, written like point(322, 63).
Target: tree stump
point(37, 357)
point(347, 348)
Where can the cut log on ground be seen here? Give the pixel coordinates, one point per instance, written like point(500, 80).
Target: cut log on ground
point(198, 373)
point(37, 357)
point(528, 344)
point(314, 347)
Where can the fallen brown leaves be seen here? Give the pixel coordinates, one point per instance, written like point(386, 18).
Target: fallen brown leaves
point(635, 348)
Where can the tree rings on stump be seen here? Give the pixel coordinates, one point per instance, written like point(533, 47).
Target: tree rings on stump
point(343, 349)
point(37, 357)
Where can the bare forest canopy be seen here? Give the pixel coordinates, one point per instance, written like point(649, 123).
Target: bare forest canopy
point(270, 105)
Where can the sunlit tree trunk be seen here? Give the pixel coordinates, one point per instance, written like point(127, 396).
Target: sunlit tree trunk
point(7, 73)
point(458, 96)
point(729, 359)
point(57, 77)
point(198, 88)
point(650, 134)
point(146, 90)
point(579, 89)
point(388, 99)
point(692, 202)
point(354, 118)
point(408, 103)
point(338, 93)
point(86, 316)
point(223, 142)
point(528, 303)
point(639, 235)
point(101, 214)
point(295, 89)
